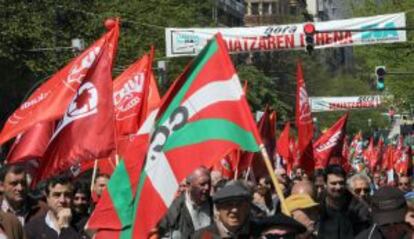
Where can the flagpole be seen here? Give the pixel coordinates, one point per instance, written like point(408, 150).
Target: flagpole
point(274, 179)
point(95, 169)
point(116, 160)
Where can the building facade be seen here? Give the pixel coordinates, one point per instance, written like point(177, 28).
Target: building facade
point(228, 13)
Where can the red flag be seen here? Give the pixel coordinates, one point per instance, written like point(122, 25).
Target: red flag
point(131, 88)
point(330, 143)
point(345, 148)
point(370, 155)
point(266, 127)
point(403, 162)
point(105, 165)
point(294, 155)
point(32, 144)
point(86, 131)
point(304, 124)
point(50, 101)
point(283, 144)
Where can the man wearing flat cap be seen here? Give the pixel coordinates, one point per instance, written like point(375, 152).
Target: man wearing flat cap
point(231, 213)
point(232, 205)
point(389, 209)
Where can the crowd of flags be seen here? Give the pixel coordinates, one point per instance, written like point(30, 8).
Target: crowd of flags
point(81, 118)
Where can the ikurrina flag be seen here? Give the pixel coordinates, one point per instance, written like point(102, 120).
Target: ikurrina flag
point(50, 101)
point(204, 115)
point(86, 131)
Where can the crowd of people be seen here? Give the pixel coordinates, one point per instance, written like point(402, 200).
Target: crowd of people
point(59, 208)
point(328, 204)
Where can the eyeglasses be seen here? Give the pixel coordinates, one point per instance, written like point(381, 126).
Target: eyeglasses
point(360, 190)
point(403, 184)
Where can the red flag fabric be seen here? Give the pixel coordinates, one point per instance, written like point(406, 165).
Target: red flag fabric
point(282, 145)
point(370, 155)
point(32, 144)
point(266, 127)
point(131, 88)
point(304, 123)
point(345, 148)
point(403, 162)
point(105, 165)
point(50, 101)
point(330, 143)
point(86, 131)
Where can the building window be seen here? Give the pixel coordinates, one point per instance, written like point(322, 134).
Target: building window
point(292, 10)
point(274, 8)
point(266, 9)
point(255, 8)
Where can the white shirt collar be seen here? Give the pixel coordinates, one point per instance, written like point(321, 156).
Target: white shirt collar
point(50, 222)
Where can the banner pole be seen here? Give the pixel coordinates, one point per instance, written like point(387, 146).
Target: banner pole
point(95, 169)
point(274, 179)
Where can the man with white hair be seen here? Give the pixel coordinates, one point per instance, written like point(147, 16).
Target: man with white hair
point(358, 185)
point(192, 210)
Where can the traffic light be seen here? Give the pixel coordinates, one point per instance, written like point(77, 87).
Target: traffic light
point(309, 30)
point(380, 72)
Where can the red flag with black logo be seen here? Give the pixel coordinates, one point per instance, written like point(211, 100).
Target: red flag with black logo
point(330, 143)
point(50, 101)
point(304, 124)
point(86, 131)
point(134, 89)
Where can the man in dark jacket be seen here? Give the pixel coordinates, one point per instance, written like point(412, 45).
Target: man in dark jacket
point(389, 209)
point(191, 211)
point(342, 215)
point(16, 199)
point(231, 210)
point(232, 218)
point(56, 223)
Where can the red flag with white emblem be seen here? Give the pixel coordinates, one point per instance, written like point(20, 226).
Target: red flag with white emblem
point(134, 89)
point(86, 131)
point(50, 101)
point(304, 123)
point(330, 143)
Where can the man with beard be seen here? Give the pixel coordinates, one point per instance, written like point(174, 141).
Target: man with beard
point(342, 216)
point(191, 211)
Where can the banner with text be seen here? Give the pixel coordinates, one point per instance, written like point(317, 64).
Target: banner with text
point(320, 104)
point(190, 41)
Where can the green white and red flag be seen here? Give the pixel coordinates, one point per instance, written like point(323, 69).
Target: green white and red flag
point(204, 116)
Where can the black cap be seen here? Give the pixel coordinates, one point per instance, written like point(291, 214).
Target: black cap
point(231, 191)
point(388, 206)
point(279, 220)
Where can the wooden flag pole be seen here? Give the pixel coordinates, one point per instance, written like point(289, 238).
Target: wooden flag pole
point(274, 179)
point(95, 169)
point(116, 160)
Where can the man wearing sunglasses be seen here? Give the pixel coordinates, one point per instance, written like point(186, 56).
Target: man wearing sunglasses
point(358, 185)
point(404, 183)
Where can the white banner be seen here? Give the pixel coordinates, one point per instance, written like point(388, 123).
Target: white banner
point(190, 41)
point(320, 104)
